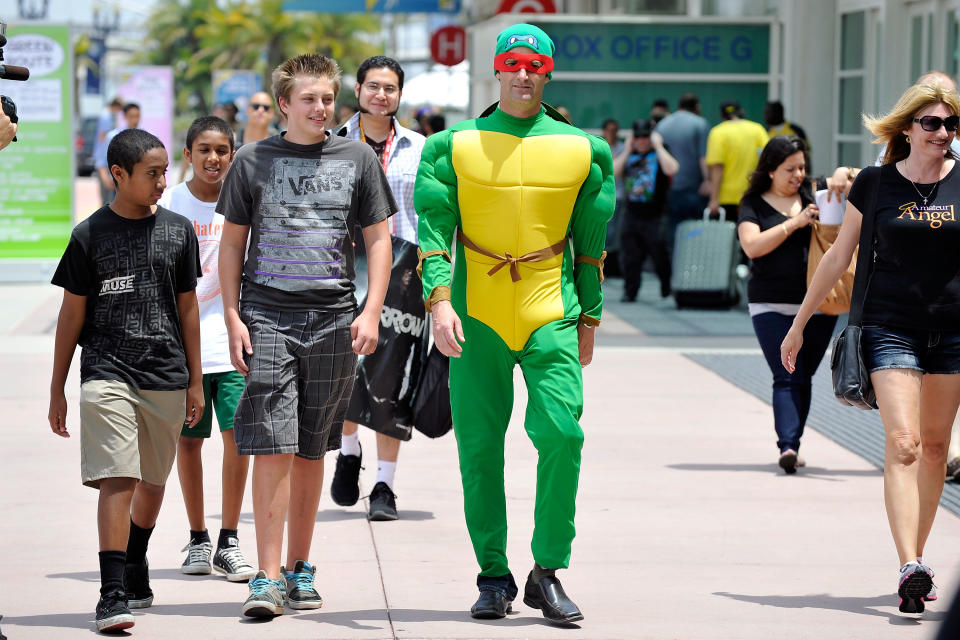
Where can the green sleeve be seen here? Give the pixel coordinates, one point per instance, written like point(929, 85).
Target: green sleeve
point(592, 211)
point(435, 200)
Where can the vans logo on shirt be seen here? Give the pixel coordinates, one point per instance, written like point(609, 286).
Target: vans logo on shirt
point(935, 214)
point(401, 322)
point(123, 284)
point(315, 184)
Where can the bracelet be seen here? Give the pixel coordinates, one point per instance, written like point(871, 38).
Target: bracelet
point(785, 232)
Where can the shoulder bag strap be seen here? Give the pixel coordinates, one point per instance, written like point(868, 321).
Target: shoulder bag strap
point(866, 256)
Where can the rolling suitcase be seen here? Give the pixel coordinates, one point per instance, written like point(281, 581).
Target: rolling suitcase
point(705, 257)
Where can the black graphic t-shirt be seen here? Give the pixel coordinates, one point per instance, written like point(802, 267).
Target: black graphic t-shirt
point(131, 272)
point(781, 275)
point(303, 204)
point(645, 184)
point(916, 276)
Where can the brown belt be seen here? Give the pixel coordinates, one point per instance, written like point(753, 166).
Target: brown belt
point(534, 256)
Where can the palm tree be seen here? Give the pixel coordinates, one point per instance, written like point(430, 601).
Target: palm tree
point(196, 38)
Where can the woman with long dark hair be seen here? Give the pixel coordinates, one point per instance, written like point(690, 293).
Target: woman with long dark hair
point(774, 229)
point(910, 334)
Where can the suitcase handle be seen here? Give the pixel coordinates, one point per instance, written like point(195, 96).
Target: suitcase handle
point(720, 210)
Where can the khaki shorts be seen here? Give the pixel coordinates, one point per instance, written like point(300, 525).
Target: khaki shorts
point(127, 432)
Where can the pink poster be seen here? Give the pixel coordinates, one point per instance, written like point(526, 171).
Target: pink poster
point(152, 89)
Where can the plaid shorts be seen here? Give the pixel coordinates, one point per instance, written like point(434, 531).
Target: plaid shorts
point(299, 385)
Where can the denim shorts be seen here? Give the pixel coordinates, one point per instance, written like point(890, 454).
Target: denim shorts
point(918, 349)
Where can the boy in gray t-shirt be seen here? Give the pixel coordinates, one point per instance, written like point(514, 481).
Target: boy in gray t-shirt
point(296, 335)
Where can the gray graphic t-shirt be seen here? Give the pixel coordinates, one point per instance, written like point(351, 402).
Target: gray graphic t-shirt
point(303, 204)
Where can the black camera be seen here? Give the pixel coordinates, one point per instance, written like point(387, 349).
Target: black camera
point(9, 72)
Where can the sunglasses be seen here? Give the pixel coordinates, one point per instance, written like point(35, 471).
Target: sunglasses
point(933, 123)
point(256, 106)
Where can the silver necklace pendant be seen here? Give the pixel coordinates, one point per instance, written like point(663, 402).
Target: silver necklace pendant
point(917, 189)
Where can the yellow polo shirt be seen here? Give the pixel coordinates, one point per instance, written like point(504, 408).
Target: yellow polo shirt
point(736, 144)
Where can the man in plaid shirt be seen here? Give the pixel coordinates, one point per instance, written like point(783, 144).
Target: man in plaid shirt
point(378, 89)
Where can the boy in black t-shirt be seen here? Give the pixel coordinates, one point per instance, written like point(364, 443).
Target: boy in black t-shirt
point(129, 275)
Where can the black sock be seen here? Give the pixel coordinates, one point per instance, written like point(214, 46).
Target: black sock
point(224, 541)
point(137, 544)
point(539, 572)
point(196, 537)
point(111, 571)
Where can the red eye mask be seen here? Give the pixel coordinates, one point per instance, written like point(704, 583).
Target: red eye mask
point(523, 61)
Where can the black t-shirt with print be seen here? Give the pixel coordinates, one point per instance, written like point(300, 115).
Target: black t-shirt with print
point(781, 275)
point(303, 204)
point(645, 184)
point(916, 273)
point(131, 272)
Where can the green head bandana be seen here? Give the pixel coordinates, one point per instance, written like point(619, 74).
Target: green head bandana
point(525, 35)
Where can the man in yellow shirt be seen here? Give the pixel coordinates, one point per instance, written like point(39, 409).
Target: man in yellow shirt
point(733, 147)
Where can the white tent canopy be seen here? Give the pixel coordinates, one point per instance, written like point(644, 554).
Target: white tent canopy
point(441, 87)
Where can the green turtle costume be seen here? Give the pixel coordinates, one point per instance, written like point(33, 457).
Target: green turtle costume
point(527, 200)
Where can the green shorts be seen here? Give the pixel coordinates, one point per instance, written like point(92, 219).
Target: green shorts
point(221, 392)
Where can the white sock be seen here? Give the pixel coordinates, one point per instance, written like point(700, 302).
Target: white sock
point(350, 444)
point(385, 472)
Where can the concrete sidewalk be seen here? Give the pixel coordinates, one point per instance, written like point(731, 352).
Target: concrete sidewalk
point(685, 527)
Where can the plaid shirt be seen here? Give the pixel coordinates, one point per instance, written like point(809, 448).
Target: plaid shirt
point(402, 168)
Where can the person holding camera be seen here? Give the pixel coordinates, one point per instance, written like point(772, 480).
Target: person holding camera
point(645, 166)
point(910, 340)
point(8, 130)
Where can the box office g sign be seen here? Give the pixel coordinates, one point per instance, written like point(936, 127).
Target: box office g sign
point(661, 47)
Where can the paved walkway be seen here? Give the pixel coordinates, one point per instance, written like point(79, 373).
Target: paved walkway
point(686, 529)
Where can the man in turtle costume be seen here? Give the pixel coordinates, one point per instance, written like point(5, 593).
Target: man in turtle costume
point(527, 197)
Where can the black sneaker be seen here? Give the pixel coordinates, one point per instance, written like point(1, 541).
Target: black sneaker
point(112, 613)
point(136, 579)
point(383, 503)
point(345, 488)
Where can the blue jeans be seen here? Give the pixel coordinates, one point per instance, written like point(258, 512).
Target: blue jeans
point(791, 391)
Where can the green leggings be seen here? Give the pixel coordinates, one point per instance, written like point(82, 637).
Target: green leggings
point(481, 395)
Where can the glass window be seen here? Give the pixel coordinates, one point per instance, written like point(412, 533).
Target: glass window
point(851, 105)
point(852, 39)
point(739, 8)
point(916, 46)
point(849, 154)
point(953, 27)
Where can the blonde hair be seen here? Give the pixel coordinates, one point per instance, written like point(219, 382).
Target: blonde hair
point(889, 129)
point(312, 65)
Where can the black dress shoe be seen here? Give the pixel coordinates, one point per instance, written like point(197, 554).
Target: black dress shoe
point(547, 595)
point(491, 605)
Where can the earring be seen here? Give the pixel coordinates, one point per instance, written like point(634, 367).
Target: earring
point(908, 139)
point(771, 175)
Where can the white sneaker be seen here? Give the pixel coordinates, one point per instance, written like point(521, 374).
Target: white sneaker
point(231, 562)
point(198, 558)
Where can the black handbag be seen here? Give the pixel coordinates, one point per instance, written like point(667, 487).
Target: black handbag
point(431, 406)
point(851, 380)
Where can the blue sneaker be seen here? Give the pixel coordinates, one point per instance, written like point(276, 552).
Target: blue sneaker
point(300, 591)
point(266, 597)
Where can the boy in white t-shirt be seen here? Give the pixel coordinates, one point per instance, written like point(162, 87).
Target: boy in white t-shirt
point(210, 149)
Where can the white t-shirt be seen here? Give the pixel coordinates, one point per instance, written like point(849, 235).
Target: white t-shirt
point(214, 347)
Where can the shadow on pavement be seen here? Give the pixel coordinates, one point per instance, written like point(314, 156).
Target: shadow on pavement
point(349, 618)
point(773, 468)
point(336, 514)
point(862, 606)
point(155, 574)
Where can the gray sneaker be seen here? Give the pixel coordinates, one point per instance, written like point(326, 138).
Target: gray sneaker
point(231, 562)
point(300, 591)
point(197, 562)
point(266, 597)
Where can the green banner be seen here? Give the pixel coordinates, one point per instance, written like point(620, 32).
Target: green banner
point(36, 178)
point(660, 47)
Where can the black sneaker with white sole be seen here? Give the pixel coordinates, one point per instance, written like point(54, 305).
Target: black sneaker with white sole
point(383, 503)
point(136, 580)
point(112, 613)
point(345, 488)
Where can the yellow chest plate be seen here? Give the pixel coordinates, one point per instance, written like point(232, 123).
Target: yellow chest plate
point(516, 195)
